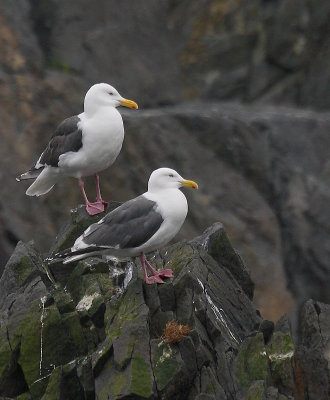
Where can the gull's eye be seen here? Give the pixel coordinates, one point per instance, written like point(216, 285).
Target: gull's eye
point(171, 175)
point(111, 93)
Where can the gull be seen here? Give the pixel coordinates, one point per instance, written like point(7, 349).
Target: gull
point(138, 226)
point(83, 145)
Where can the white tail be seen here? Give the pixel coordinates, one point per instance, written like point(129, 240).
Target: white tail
point(44, 183)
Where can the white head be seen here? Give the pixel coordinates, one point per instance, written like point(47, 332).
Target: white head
point(104, 95)
point(166, 178)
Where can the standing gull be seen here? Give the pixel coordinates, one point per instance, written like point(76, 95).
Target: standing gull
point(138, 226)
point(83, 145)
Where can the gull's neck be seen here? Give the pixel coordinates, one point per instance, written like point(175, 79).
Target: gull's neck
point(91, 107)
point(92, 110)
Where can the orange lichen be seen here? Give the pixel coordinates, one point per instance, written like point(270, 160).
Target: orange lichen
point(174, 332)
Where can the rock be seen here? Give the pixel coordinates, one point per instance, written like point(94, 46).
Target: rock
point(271, 192)
point(313, 349)
point(257, 391)
point(232, 50)
point(280, 352)
point(22, 287)
point(215, 241)
point(299, 27)
point(72, 322)
point(267, 329)
point(252, 361)
point(80, 221)
point(242, 133)
point(274, 209)
point(271, 197)
point(100, 58)
point(259, 51)
point(90, 335)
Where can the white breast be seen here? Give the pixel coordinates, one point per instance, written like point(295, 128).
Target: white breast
point(102, 139)
point(173, 206)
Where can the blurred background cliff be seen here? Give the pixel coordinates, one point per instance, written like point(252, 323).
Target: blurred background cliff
point(232, 93)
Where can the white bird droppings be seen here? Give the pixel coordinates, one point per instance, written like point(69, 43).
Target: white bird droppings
point(86, 302)
point(43, 301)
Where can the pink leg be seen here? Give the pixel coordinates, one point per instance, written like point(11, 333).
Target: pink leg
point(98, 191)
point(82, 187)
point(148, 279)
point(91, 208)
point(164, 273)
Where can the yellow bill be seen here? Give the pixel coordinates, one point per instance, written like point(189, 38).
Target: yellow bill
point(129, 104)
point(190, 184)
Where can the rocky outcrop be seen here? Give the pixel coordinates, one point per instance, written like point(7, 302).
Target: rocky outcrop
point(94, 330)
point(252, 50)
point(270, 188)
point(270, 193)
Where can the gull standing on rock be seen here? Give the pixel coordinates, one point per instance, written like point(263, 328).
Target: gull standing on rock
point(138, 226)
point(83, 145)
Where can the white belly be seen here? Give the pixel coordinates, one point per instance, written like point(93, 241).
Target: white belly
point(102, 140)
point(174, 208)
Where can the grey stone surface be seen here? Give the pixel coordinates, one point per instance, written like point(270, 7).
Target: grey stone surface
point(269, 165)
point(87, 335)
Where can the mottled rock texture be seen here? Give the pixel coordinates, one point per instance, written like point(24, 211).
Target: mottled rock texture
point(264, 172)
point(257, 51)
point(93, 329)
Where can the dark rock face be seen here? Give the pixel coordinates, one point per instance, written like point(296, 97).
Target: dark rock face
point(269, 166)
point(253, 50)
point(95, 331)
point(284, 183)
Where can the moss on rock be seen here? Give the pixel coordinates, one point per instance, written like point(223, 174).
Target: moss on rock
point(141, 383)
point(53, 388)
point(119, 383)
point(281, 352)
point(125, 309)
point(165, 365)
point(5, 354)
point(256, 391)
point(114, 387)
point(80, 221)
point(25, 396)
point(100, 357)
point(63, 300)
point(252, 361)
point(179, 256)
point(74, 329)
point(29, 359)
point(23, 270)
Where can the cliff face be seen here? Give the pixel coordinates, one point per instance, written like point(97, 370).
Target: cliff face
point(252, 50)
point(94, 330)
point(264, 170)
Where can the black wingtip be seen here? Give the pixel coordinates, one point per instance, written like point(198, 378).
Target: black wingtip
point(57, 257)
point(51, 260)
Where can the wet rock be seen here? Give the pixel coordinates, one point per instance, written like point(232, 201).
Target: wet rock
point(268, 205)
point(253, 50)
point(267, 329)
point(89, 335)
point(204, 51)
point(216, 243)
point(80, 221)
point(22, 287)
point(64, 384)
point(252, 361)
point(280, 351)
point(257, 391)
point(313, 350)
